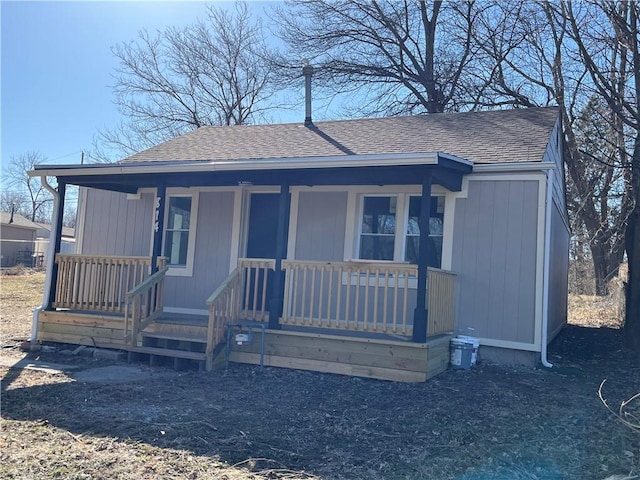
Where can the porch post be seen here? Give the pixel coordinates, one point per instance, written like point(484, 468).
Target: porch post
point(158, 225)
point(421, 314)
point(56, 230)
point(277, 290)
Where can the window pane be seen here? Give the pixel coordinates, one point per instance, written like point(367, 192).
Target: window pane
point(436, 226)
point(435, 218)
point(411, 253)
point(379, 215)
point(436, 229)
point(376, 247)
point(176, 247)
point(179, 213)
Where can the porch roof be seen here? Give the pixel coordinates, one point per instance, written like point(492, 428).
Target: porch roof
point(396, 169)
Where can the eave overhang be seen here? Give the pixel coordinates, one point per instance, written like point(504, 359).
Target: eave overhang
point(447, 170)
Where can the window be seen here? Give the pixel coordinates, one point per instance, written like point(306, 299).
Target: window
point(389, 228)
point(378, 231)
point(436, 230)
point(179, 233)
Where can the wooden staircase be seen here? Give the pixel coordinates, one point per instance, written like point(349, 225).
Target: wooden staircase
point(182, 338)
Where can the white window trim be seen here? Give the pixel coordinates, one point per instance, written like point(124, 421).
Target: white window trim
point(187, 270)
point(402, 221)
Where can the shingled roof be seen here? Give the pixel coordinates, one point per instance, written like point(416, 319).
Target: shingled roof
point(18, 221)
point(519, 135)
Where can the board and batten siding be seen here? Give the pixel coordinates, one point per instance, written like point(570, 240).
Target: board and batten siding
point(494, 257)
point(558, 274)
point(212, 253)
point(553, 154)
point(321, 222)
point(116, 225)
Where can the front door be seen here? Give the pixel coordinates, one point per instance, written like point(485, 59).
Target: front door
point(263, 225)
point(261, 242)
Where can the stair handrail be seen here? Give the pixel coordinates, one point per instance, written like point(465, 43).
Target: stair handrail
point(144, 303)
point(224, 305)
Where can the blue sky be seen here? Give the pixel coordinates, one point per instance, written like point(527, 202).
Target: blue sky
point(57, 66)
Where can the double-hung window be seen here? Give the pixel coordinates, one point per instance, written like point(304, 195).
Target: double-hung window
point(179, 236)
point(378, 233)
point(389, 228)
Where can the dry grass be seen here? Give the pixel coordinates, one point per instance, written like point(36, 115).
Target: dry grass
point(19, 295)
point(488, 423)
point(592, 311)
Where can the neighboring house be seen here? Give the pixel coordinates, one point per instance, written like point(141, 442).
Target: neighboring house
point(354, 247)
point(18, 236)
point(67, 245)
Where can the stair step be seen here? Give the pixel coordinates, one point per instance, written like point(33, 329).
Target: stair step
point(167, 352)
point(174, 336)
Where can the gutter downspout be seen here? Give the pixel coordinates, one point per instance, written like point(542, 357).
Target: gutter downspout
point(545, 276)
point(49, 263)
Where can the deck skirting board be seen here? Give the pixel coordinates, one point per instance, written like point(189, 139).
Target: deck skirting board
point(406, 362)
point(380, 358)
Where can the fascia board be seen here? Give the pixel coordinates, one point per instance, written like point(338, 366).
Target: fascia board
point(338, 161)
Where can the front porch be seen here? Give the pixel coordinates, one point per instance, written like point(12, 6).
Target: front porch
point(352, 318)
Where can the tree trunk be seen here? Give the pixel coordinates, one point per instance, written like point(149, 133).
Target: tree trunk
point(600, 268)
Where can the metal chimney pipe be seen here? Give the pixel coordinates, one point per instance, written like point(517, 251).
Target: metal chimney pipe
point(307, 71)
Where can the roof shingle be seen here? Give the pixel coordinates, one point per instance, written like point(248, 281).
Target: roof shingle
point(518, 135)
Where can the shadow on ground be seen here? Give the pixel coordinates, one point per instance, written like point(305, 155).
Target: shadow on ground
point(490, 422)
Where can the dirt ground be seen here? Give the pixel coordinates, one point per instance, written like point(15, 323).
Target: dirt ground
point(490, 422)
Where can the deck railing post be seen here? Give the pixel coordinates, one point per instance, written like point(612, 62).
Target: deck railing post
point(421, 313)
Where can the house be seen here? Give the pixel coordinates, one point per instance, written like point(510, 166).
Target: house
point(67, 245)
point(18, 235)
point(355, 247)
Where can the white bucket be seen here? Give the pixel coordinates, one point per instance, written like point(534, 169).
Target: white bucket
point(461, 352)
point(473, 341)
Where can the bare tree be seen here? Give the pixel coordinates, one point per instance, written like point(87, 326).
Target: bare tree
point(28, 190)
point(532, 60)
point(401, 56)
point(211, 73)
point(615, 75)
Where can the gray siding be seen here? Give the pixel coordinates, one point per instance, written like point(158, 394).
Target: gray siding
point(114, 225)
point(322, 219)
point(558, 273)
point(212, 253)
point(14, 240)
point(553, 154)
point(494, 256)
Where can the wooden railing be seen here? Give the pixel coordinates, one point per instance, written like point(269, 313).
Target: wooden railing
point(144, 303)
point(255, 277)
point(243, 295)
point(441, 301)
point(360, 296)
point(97, 283)
point(364, 296)
point(224, 306)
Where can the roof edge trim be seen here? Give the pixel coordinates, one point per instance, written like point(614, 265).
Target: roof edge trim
point(336, 161)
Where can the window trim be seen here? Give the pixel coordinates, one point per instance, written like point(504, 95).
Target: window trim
point(187, 270)
point(402, 222)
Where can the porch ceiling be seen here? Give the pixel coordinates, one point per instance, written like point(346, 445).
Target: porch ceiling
point(446, 170)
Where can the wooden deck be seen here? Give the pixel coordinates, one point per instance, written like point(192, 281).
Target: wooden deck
point(352, 318)
point(362, 354)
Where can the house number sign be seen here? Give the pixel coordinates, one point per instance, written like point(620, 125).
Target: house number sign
point(156, 224)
